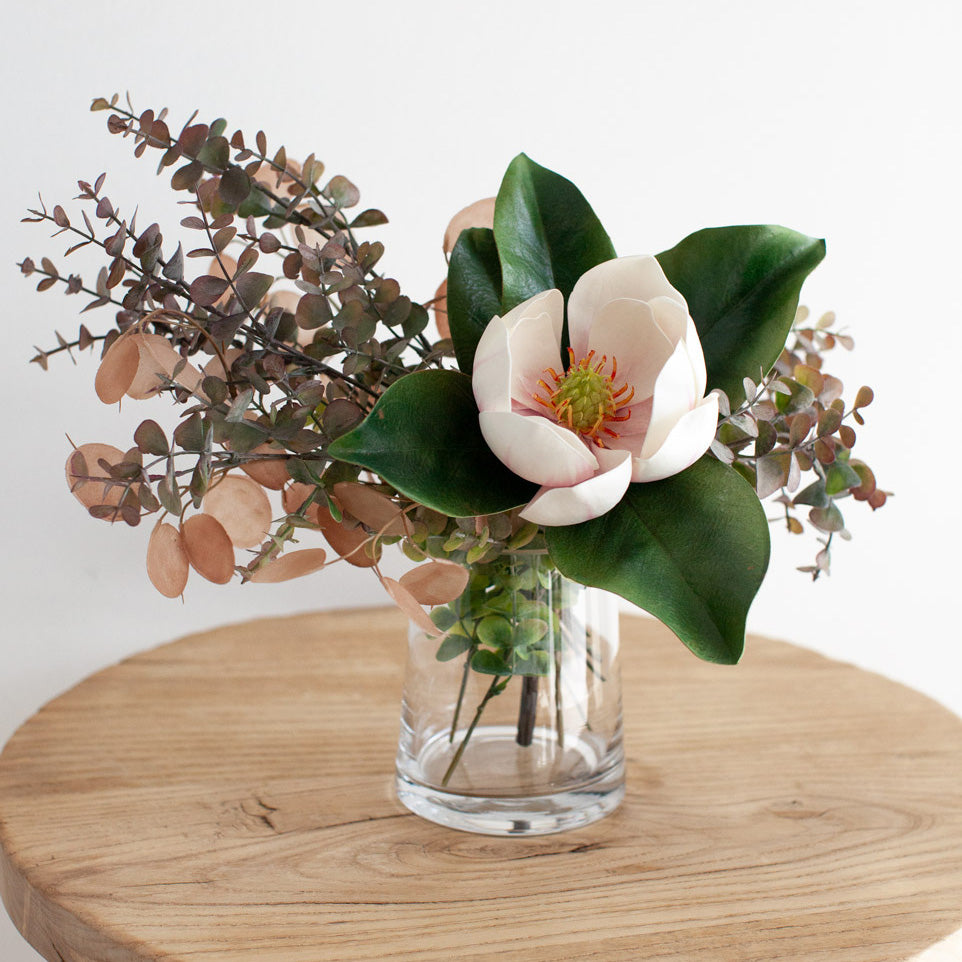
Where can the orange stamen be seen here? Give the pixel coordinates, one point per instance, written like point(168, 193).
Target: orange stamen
point(566, 400)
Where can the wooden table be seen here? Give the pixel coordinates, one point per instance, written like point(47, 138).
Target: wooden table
point(229, 796)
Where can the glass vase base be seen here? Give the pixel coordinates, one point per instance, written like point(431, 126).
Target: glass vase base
point(590, 784)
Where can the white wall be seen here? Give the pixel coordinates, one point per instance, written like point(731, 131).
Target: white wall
point(838, 118)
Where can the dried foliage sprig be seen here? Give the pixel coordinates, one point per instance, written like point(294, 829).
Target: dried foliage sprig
point(792, 425)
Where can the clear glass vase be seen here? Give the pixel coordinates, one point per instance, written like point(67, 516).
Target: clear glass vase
point(511, 715)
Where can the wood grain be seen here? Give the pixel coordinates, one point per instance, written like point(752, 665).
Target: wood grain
point(229, 796)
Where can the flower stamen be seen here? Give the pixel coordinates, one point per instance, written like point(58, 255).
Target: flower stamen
point(584, 398)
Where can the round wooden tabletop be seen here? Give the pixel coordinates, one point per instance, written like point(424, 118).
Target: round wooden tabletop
point(229, 796)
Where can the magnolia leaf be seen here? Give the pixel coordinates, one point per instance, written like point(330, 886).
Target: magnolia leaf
point(423, 438)
point(691, 549)
point(473, 291)
point(742, 286)
point(546, 232)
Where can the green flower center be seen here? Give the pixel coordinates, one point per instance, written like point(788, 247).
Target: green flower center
point(584, 399)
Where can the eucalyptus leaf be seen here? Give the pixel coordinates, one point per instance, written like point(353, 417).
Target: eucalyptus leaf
point(742, 286)
point(452, 646)
point(423, 438)
point(691, 549)
point(489, 663)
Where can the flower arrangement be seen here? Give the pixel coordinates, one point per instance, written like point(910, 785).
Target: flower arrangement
point(623, 417)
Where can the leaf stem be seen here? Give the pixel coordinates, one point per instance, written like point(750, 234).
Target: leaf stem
point(495, 688)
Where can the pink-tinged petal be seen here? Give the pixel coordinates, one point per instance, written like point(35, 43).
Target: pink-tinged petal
point(673, 397)
point(639, 416)
point(638, 278)
point(672, 317)
point(627, 330)
point(697, 357)
point(537, 449)
point(584, 501)
point(534, 348)
point(547, 302)
point(491, 377)
point(687, 441)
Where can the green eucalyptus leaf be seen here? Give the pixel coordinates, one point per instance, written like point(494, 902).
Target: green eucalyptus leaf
point(839, 477)
point(423, 438)
point(546, 232)
point(814, 495)
point(474, 291)
point(488, 663)
point(742, 286)
point(452, 646)
point(691, 549)
point(495, 632)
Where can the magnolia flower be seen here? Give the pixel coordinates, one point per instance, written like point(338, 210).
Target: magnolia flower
point(627, 405)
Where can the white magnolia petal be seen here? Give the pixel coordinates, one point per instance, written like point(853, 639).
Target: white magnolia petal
point(697, 357)
point(537, 449)
point(547, 302)
point(672, 317)
point(534, 348)
point(491, 377)
point(584, 501)
point(673, 397)
point(687, 441)
point(636, 426)
point(639, 278)
point(627, 330)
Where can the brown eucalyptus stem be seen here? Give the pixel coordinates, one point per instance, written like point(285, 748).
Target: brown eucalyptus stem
point(527, 710)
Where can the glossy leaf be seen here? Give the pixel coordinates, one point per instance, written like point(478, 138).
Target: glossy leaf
point(473, 291)
point(423, 438)
point(546, 232)
point(692, 550)
point(742, 286)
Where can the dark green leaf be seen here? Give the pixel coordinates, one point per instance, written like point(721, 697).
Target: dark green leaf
point(423, 438)
point(691, 549)
point(741, 285)
point(488, 663)
point(495, 632)
point(452, 646)
point(547, 234)
point(474, 291)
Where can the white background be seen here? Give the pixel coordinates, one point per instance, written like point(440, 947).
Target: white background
point(837, 118)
